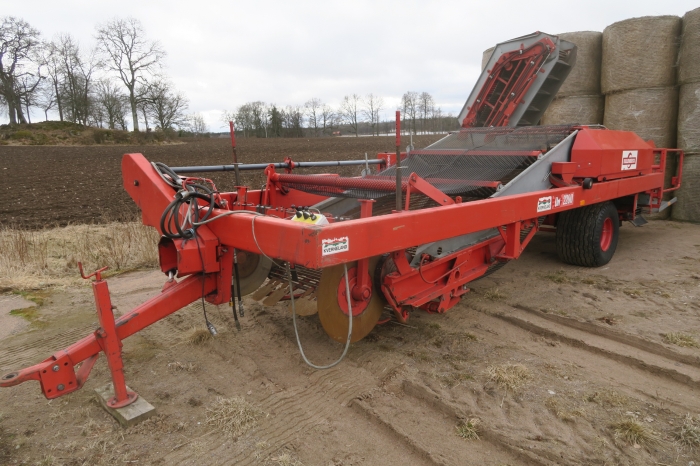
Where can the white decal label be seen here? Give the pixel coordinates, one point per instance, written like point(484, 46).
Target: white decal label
point(335, 245)
point(544, 203)
point(629, 159)
point(564, 200)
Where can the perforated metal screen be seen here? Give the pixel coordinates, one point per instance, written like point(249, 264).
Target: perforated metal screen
point(471, 163)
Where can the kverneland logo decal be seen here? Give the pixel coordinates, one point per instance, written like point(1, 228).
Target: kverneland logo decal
point(629, 159)
point(544, 203)
point(335, 245)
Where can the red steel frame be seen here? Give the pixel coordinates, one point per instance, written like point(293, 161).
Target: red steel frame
point(435, 286)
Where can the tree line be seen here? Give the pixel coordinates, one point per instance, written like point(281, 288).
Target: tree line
point(356, 115)
point(118, 80)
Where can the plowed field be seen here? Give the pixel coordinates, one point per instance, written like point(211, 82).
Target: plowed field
point(57, 185)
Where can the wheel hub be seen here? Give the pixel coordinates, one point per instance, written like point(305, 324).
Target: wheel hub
point(364, 294)
point(332, 302)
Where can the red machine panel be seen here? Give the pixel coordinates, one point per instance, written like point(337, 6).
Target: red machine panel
point(608, 155)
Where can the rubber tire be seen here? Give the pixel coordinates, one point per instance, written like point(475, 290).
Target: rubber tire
point(579, 231)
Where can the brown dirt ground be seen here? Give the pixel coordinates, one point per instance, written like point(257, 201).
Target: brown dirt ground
point(590, 340)
point(57, 185)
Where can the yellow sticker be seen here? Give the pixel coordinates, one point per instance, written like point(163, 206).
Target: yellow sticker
point(582, 202)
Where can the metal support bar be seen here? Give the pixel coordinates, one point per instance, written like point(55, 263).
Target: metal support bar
point(399, 202)
point(56, 374)
point(362, 291)
point(262, 166)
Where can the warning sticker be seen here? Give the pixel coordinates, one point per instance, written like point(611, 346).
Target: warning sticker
point(544, 203)
point(629, 159)
point(335, 245)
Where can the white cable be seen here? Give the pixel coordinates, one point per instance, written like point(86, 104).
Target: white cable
point(296, 331)
point(291, 290)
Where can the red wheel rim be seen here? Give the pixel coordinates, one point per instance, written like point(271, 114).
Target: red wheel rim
point(606, 235)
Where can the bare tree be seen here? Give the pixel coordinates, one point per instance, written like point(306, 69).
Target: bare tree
point(197, 124)
point(20, 65)
point(244, 119)
point(72, 74)
point(313, 114)
point(164, 105)
point(372, 106)
point(227, 116)
point(46, 98)
point(350, 109)
point(260, 114)
point(113, 104)
point(425, 108)
point(328, 119)
point(409, 102)
point(130, 55)
point(54, 75)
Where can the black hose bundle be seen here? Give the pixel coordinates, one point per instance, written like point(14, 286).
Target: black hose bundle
point(188, 193)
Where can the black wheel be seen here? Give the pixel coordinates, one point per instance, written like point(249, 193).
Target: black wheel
point(587, 236)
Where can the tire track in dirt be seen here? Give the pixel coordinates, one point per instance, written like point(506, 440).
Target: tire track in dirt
point(654, 377)
point(496, 440)
point(625, 339)
point(329, 393)
point(404, 418)
point(34, 350)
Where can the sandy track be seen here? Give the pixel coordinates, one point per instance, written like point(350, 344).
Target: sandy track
point(591, 340)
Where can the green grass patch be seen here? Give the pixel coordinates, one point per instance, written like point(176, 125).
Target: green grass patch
point(469, 429)
point(29, 313)
point(37, 297)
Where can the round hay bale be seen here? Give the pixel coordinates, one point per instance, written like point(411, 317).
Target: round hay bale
point(640, 53)
point(582, 109)
point(689, 59)
point(584, 78)
point(689, 117)
point(687, 208)
point(485, 57)
point(651, 113)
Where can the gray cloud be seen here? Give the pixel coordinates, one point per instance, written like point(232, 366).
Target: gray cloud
point(223, 54)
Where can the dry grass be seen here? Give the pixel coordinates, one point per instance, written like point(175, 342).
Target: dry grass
point(562, 412)
point(493, 294)
point(681, 339)
point(182, 367)
point(453, 379)
point(607, 398)
point(558, 277)
point(37, 259)
point(509, 376)
point(199, 336)
point(633, 432)
point(469, 429)
point(688, 434)
point(233, 415)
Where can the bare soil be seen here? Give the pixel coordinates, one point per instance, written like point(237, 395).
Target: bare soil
point(57, 185)
point(588, 343)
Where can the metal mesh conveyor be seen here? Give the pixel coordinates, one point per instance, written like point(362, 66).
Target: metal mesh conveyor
point(472, 163)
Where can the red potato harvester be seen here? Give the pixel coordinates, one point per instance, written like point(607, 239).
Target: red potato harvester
point(397, 238)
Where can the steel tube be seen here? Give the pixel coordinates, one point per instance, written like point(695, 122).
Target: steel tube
point(262, 166)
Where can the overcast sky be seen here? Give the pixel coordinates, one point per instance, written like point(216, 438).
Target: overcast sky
point(222, 54)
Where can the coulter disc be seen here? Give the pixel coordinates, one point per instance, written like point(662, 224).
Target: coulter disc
point(253, 270)
point(333, 319)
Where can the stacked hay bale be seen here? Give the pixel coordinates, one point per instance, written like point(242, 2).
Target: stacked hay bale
point(485, 57)
point(688, 206)
point(638, 78)
point(579, 99)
